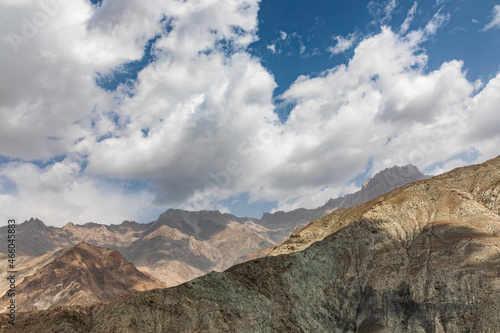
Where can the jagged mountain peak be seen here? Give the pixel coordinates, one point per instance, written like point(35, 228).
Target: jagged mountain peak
point(34, 222)
point(382, 182)
point(393, 177)
point(408, 171)
point(91, 249)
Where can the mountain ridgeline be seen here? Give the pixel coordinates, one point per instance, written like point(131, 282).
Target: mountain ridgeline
point(181, 245)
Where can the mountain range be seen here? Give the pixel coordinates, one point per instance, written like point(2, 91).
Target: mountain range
point(181, 245)
point(421, 258)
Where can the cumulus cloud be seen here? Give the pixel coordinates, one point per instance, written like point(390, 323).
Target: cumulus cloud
point(198, 126)
point(484, 112)
point(52, 105)
point(495, 22)
point(381, 104)
point(58, 200)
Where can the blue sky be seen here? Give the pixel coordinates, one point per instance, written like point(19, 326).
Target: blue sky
point(118, 110)
point(317, 22)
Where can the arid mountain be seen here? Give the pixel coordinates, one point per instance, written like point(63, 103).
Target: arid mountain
point(181, 245)
point(383, 182)
point(34, 238)
point(422, 258)
point(175, 257)
point(26, 266)
point(282, 224)
point(82, 275)
point(202, 225)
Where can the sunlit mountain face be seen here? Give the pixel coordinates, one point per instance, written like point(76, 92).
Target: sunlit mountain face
point(119, 110)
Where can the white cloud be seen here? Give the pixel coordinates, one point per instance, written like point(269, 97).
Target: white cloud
point(56, 198)
point(310, 199)
point(438, 20)
point(448, 166)
point(272, 47)
point(302, 48)
point(409, 19)
point(483, 109)
point(383, 93)
point(495, 22)
point(52, 105)
point(198, 126)
point(389, 7)
point(343, 44)
point(288, 43)
point(382, 11)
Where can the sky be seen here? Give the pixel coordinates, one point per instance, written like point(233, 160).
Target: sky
point(118, 110)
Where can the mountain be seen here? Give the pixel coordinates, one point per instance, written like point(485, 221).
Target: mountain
point(26, 266)
point(181, 245)
point(383, 182)
point(202, 225)
point(282, 224)
point(175, 257)
point(422, 258)
point(34, 238)
point(82, 275)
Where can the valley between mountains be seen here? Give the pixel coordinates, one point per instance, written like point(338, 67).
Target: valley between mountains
point(424, 257)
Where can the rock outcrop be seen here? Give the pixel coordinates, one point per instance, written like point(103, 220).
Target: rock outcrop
point(422, 258)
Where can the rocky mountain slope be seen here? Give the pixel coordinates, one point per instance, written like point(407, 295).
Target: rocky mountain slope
point(82, 275)
point(282, 224)
point(175, 257)
point(422, 258)
point(177, 247)
point(26, 266)
point(181, 245)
